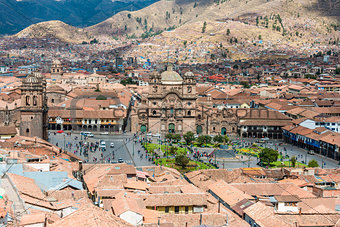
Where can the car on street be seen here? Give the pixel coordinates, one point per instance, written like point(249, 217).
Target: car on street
point(156, 135)
point(120, 160)
point(104, 133)
point(102, 144)
point(88, 134)
point(112, 145)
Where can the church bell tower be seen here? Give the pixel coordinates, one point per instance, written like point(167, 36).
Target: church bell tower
point(33, 111)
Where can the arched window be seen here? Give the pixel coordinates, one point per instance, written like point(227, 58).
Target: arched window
point(199, 116)
point(171, 128)
point(154, 112)
point(57, 70)
point(52, 100)
point(143, 128)
point(35, 100)
point(199, 129)
point(27, 130)
point(189, 113)
point(223, 131)
point(27, 100)
point(189, 89)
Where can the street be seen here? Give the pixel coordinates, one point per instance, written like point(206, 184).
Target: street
point(300, 154)
point(124, 148)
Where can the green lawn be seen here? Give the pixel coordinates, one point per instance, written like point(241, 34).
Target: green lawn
point(278, 164)
point(193, 165)
point(153, 146)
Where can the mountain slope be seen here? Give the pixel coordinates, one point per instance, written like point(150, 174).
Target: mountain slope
point(233, 28)
point(56, 29)
point(15, 15)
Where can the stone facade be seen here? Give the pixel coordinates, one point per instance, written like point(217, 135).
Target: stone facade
point(33, 110)
point(171, 106)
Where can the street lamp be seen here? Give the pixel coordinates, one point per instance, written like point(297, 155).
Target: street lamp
point(64, 141)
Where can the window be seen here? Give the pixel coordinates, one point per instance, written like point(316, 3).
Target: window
point(27, 130)
point(154, 112)
point(166, 209)
point(189, 113)
point(186, 210)
point(35, 100)
point(176, 210)
point(52, 100)
point(89, 121)
point(172, 111)
point(27, 100)
point(95, 121)
point(199, 116)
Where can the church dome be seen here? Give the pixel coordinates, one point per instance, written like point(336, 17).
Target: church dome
point(171, 77)
point(31, 80)
point(56, 62)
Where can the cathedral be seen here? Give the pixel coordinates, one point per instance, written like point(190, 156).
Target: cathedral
point(171, 106)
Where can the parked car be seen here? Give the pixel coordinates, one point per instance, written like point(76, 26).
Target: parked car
point(88, 134)
point(156, 135)
point(102, 144)
point(120, 160)
point(104, 133)
point(112, 145)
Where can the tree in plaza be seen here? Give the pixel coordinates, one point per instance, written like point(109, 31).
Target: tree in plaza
point(189, 137)
point(182, 160)
point(176, 137)
point(203, 139)
point(268, 156)
point(169, 136)
point(173, 150)
point(226, 139)
point(218, 139)
point(293, 160)
point(313, 163)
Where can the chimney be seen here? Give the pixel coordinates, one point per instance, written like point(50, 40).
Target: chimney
point(80, 166)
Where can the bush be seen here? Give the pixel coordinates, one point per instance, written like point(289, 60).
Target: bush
point(293, 160)
point(182, 160)
point(268, 155)
point(189, 137)
point(203, 139)
point(218, 139)
point(313, 163)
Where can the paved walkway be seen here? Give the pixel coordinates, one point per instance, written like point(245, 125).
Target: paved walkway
point(139, 158)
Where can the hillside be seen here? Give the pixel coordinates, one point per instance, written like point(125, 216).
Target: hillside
point(15, 15)
point(57, 29)
point(215, 29)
